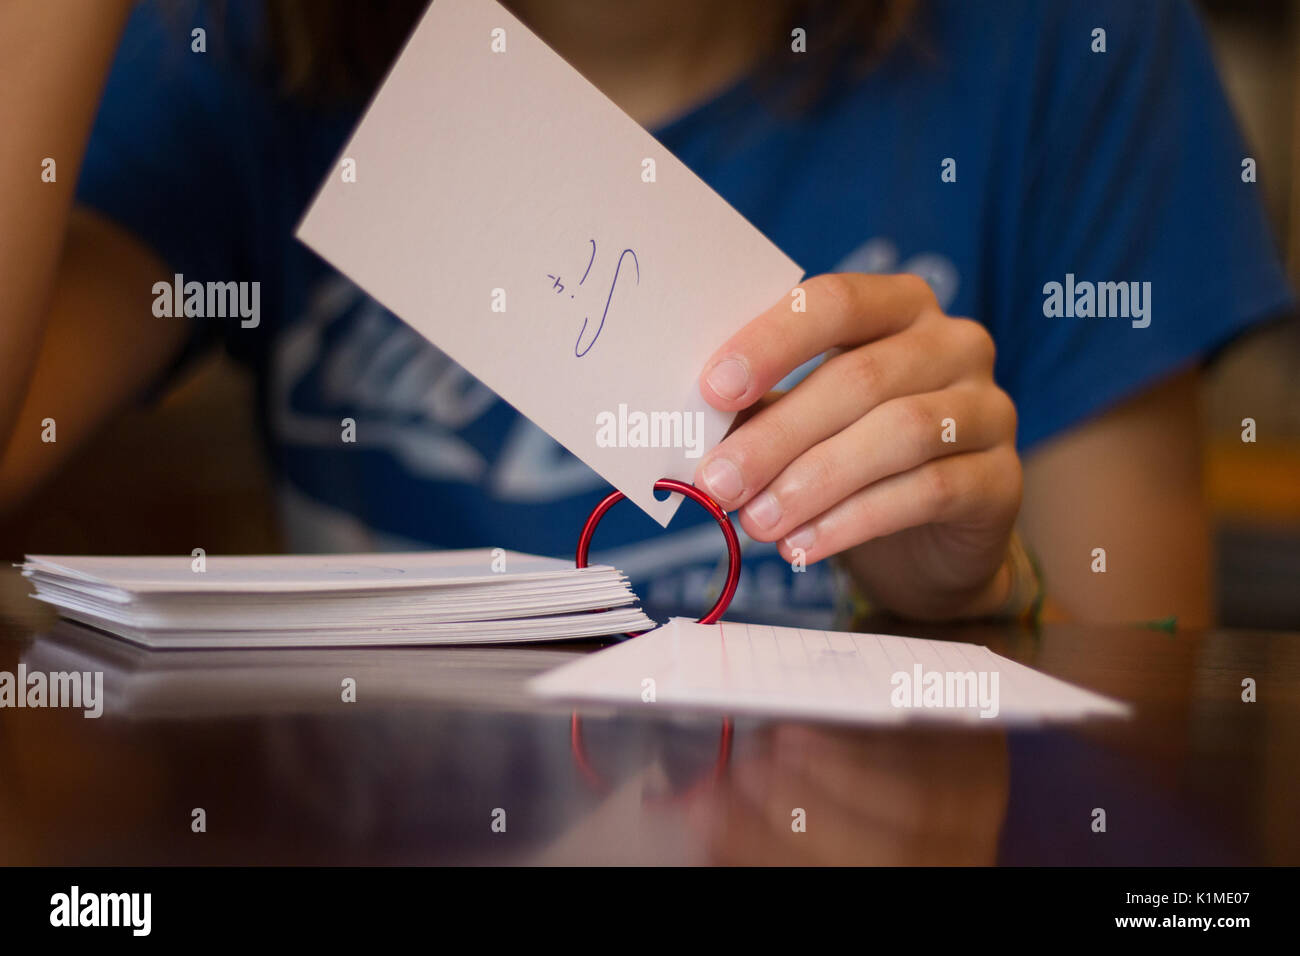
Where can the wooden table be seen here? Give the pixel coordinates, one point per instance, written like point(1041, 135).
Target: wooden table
point(443, 743)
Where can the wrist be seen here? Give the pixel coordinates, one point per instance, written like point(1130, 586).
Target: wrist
point(1013, 592)
point(1016, 593)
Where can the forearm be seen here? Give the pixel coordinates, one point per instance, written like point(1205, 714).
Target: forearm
point(54, 57)
point(1115, 510)
point(99, 346)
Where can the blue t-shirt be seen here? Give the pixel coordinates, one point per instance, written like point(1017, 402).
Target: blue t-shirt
point(998, 155)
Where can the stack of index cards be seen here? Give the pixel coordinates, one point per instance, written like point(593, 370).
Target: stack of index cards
point(344, 600)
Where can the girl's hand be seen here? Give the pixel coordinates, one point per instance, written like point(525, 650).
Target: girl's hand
point(899, 449)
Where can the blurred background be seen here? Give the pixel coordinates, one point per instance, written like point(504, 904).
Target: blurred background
point(122, 494)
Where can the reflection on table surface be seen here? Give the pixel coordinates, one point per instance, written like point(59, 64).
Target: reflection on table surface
point(444, 758)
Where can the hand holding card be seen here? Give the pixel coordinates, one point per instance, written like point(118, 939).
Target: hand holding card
point(514, 216)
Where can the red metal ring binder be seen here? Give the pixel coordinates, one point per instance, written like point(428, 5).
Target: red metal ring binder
point(714, 613)
point(711, 506)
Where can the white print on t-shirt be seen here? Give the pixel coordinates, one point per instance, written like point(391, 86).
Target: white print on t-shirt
point(408, 398)
point(879, 256)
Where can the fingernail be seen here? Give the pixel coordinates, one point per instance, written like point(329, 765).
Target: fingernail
point(764, 511)
point(802, 539)
point(722, 479)
point(729, 378)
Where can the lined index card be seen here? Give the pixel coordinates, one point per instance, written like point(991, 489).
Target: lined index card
point(868, 679)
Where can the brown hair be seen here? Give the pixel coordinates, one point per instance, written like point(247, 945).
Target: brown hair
point(324, 51)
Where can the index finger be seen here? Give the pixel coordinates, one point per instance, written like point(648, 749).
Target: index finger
point(842, 310)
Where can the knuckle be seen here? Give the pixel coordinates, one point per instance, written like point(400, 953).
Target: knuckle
point(1007, 461)
point(841, 292)
point(783, 433)
point(974, 341)
point(916, 288)
point(1007, 413)
point(940, 489)
point(816, 471)
point(762, 446)
point(916, 419)
point(861, 513)
point(868, 376)
point(862, 376)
